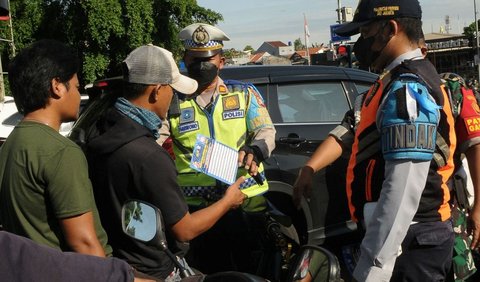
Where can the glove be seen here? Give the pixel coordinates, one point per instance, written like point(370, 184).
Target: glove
point(255, 151)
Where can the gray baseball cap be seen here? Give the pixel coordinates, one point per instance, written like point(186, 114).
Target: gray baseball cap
point(151, 65)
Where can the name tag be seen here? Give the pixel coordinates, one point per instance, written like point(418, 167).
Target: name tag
point(182, 128)
point(233, 114)
point(472, 125)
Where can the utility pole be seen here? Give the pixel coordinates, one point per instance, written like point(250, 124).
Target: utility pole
point(339, 12)
point(476, 35)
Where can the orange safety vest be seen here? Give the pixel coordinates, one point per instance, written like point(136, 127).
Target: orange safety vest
point(365, 173)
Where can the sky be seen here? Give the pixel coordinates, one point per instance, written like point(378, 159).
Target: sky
point(252, 22)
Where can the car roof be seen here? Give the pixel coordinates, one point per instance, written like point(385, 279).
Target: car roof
point(272, 74)
point(262, 74)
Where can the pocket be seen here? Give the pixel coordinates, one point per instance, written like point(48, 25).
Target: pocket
point(434, 233)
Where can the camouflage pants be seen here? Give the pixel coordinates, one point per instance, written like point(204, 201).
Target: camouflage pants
point(463, 264)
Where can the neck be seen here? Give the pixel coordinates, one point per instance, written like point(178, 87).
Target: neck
point(40, 116)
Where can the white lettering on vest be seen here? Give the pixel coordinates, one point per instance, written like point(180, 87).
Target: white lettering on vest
point(233, 114)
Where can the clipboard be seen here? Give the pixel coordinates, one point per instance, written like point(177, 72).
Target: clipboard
point(215, 159)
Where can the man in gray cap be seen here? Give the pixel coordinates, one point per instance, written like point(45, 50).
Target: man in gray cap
point(402, 154)
point(125, 161)
point(231, 112)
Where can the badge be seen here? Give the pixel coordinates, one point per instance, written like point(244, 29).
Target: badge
point(222, 89)
point(200, 36)
point(187, 115)
point(231, 103)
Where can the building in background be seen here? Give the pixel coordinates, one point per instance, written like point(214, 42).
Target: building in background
point(451, 53)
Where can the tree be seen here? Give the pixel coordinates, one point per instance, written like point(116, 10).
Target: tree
point(103, 31)
point(469, 32)
point(248, 48)
point(298, 45)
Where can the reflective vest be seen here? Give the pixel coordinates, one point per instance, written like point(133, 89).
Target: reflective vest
point(366, 168)
point(226, 123)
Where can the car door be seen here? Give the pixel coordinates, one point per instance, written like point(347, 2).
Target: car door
point(304, 112)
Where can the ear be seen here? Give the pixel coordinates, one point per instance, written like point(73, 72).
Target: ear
point(154, 94)
point(394, 28)
point(222, 62)
point(57, 88)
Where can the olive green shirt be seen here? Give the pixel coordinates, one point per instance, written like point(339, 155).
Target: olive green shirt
point(43, 179)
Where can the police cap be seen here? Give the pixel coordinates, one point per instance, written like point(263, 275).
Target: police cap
point(202, 40)
point(372, 10)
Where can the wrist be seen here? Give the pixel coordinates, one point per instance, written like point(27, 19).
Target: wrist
point(307, 170)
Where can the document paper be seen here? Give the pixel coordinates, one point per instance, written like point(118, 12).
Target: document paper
point(215, 159)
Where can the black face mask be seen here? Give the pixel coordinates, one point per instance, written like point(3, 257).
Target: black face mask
point(363, 50)
point(203, 72)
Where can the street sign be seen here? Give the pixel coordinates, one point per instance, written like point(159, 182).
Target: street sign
point(335, 37)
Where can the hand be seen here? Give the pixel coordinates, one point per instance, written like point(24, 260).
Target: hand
point(233, 195)
point(474, 227)
point(247, 158)
point(302, 185)
point(137, 279)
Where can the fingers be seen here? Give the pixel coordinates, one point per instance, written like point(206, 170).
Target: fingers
point(247, 160)
point(239, 181)
point(475, 232)
point(241, 156)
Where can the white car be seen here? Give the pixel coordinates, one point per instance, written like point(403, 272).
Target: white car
point(10, 117)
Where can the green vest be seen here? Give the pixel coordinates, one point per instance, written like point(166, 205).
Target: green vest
point(226, 123)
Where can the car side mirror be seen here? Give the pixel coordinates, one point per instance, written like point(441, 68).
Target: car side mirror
point(143, 222)
point(315, 264)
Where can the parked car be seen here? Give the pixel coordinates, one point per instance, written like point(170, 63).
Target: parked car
point(305, 104)
point(10, 117)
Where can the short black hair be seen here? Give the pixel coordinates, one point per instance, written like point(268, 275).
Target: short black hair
point(412, 28)
point(30, 73)
point(133, 90)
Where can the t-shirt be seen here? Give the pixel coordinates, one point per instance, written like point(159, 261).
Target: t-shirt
point(44, 178)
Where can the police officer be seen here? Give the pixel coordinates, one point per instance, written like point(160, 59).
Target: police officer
point(234, 114)
point(403, 148)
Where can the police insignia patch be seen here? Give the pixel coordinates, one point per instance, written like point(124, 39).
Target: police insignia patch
point(222, 89)
point(187, 115)
point(231, 103)
point(200, 36)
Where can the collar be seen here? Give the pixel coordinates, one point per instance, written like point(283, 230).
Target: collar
point(410, 55)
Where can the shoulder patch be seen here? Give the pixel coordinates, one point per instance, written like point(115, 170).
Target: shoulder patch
point(231, 103)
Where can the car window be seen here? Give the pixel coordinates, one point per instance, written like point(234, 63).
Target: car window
point(13, 119)
point(362, 87)
point(312, 102)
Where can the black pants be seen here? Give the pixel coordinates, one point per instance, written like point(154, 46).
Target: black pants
point(231, 244)
point(426, 253)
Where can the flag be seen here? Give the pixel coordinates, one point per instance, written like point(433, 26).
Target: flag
point(307, 32)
